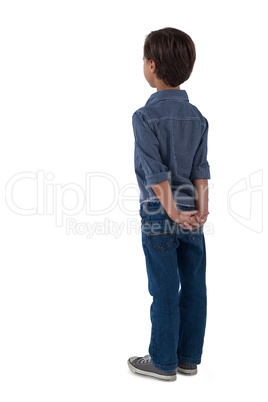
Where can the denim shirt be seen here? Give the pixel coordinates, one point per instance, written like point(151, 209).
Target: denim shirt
point(170, 144)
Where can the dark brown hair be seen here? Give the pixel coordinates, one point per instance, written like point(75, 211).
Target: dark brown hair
point(173, 52)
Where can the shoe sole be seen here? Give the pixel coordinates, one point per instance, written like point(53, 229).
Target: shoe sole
point(150, 374)
point(187, 372)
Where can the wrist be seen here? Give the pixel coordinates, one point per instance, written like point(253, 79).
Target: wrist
point(174, 215)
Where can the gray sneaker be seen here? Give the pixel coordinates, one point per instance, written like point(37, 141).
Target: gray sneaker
point(144, 366)
point(189, 369)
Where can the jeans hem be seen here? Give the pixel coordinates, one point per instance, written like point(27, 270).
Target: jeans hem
point(187, 360)
point(171, 367)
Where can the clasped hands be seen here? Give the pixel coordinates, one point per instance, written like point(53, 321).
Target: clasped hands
point(190, 219)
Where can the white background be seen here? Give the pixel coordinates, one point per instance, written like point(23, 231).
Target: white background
point(75, 306)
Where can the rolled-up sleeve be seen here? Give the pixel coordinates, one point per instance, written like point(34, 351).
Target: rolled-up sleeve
point(200, 167)
point(147, 148)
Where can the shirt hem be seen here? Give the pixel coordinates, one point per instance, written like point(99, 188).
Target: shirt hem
point(157, 200)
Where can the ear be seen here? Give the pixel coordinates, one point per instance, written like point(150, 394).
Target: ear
point(152, 66)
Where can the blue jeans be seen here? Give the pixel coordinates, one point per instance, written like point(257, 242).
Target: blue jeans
point(176, 268)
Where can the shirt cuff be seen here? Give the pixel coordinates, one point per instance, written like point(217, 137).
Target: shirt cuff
point(200, 172)
point(158, 178)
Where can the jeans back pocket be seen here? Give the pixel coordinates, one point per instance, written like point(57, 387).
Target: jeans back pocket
point(160, 235)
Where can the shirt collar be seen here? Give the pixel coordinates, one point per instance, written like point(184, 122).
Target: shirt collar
point(174, 94)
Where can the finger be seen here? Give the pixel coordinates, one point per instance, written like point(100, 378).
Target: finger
point(193, 220)
point(185, 225)
point(196, 225)
point(192, 228)
point(190, 213)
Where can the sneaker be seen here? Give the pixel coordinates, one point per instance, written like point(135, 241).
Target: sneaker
point(187, 368)
point(144, 366)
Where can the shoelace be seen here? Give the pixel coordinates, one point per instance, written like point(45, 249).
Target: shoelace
point(145, 359)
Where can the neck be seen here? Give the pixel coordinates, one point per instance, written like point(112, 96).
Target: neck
point(160, 86)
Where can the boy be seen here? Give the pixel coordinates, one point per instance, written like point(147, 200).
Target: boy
point(172, 173)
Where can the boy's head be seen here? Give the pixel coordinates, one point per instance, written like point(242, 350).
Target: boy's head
point(169, 56)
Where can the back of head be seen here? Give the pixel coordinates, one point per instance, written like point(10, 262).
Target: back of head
point(173, 52)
